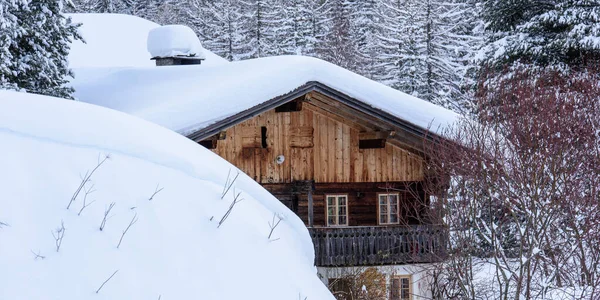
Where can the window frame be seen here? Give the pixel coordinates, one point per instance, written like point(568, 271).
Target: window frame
point(410, 287)
point(379, 222)
point(337, 205)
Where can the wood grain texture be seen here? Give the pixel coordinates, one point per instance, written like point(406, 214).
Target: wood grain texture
point(317, 145)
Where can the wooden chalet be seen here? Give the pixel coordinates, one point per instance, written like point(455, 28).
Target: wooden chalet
point(343, 152)
point(353, 173)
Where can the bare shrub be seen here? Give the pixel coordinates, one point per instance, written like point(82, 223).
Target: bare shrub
point(519, 190)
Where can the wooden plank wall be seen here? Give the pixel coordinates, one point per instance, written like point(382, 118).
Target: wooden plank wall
point(333, 157)
point(362, 202)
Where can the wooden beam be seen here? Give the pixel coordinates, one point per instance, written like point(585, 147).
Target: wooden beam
point(373, 135)
point(311, 218)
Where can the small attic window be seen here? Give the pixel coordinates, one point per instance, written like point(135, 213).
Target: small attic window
point(295, 105)
point(371, 144)
point(263, 137)
point(209, 144)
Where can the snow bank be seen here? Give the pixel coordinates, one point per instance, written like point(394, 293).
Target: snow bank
point(188, 98)
point(115, 40)
point(173, 251)
point(174, 40)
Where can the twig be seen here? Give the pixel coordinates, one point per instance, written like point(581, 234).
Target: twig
point(87, 192)
point(156, 191)
point(273, 225)
point(228, 183)
point(111, 276)
point(133, 220)
point(86, 178)
point(59, 234)
point(2, 224)
point(37, 255)
point(233, 203)
point(106, 217)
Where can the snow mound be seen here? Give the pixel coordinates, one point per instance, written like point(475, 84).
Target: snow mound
point(115, 40)
point(170, 185)
point(174, 40)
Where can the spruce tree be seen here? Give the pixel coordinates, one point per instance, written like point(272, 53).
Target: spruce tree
point(9, 32)
point(39, 51)
point(543, 33)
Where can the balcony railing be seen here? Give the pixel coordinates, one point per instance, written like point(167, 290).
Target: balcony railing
point(377, 245)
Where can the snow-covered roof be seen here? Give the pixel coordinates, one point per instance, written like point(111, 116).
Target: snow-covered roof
point(174, 40)
point(188, 98)
point(116, 40)
point(175, 250)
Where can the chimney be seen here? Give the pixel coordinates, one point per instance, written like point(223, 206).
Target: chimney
point(174, 45)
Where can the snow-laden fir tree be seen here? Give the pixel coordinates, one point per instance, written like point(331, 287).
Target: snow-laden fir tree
point(364, 31)
point(452, 38)
point(220, 26)
point(9, 33)
point(39, 51)
point(402, 42)
point(337, 47)
point(300, 24)
point(563, 32)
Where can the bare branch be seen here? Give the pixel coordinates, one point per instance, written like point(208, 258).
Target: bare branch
point(59, 234)
point(156, 191)
point(229, 183)
point(2, 224)
point(233, 203)
point(133, 221)
point(37, 255)
point(106, 217)
point(101, 286)
point(85, 204)
point(87, 177)
point(273, 224)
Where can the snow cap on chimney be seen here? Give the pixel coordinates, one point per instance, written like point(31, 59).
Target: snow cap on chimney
point(175, 45)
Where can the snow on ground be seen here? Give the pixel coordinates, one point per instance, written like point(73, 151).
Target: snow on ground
point(174, 40)
point(187, 98)
point(115, 40)
point(173, 251)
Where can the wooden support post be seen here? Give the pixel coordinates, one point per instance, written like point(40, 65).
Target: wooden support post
point(310, 208)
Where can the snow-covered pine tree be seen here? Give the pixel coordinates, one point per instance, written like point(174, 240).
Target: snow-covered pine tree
point(337, 47)
point(318, 24)
point(564, 32)
point(279, 30)
point(403, 47)
point(9, 33)
point(364, 31)
point(451, 37)
point(299, 24)
point(220, 26)
point(39, 53)
point(261, 18)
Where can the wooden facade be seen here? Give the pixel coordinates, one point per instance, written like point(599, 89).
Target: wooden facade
point(317, 145)
point(313, 148)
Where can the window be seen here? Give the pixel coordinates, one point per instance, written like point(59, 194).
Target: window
point(389, 209)
point(263, 137)
point(340, 288)
point(337, 210)
point(401, 288)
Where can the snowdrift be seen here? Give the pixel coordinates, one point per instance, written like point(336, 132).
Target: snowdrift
point(115, 40)
point(170, 185)
point(189, 98)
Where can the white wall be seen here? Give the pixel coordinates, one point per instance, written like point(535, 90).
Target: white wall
point(420, 280)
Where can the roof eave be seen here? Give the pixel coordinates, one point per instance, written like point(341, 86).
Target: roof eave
point(316, 86)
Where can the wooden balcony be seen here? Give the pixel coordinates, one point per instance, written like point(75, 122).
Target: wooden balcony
point(377, 245)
